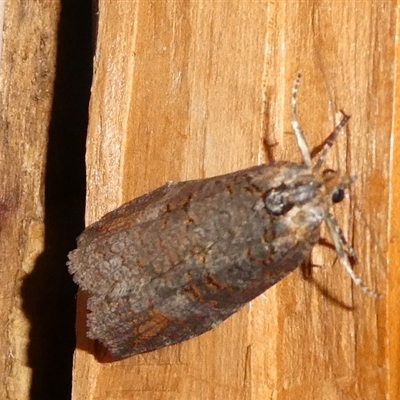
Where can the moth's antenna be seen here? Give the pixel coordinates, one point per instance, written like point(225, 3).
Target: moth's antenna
point(343, 249)
point(301, 140)
point(300, 137)
point(330, 141)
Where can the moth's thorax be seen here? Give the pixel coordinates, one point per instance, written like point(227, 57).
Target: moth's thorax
point(299, 198)
point(295, 185)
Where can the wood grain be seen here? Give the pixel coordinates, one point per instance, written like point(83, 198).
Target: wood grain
point(45, 75)
point(27, 74)
point(186, 90)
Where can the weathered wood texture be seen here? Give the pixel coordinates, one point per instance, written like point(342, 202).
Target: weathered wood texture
point(27, 75)
point(187, 90)
point(44, 91)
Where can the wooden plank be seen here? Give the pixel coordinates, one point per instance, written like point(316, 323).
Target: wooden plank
point(27, 77)
point(393, 321)
point(45, 75)
point(186, 90)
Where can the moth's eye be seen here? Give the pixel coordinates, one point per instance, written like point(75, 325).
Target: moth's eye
point(338, 195)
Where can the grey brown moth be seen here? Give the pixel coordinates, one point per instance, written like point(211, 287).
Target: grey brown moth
point(174, 263)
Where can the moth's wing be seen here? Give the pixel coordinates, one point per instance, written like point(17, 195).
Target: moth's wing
point(141, 209)
point(102, 236)
point(153, 205)
point(176, 262)
point(126, 332)
point(108, 235)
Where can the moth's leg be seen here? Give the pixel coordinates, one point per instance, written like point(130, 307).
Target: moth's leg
point(341, 246)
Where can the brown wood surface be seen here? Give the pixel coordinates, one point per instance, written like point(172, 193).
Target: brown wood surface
point(44, 87)
point(27, 76)
point(186, 90)
point(393, 279)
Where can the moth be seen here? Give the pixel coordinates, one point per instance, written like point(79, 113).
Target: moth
point(176, 262)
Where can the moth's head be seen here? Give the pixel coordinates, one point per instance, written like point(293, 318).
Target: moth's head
point(334, 184)
point(336, 188)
